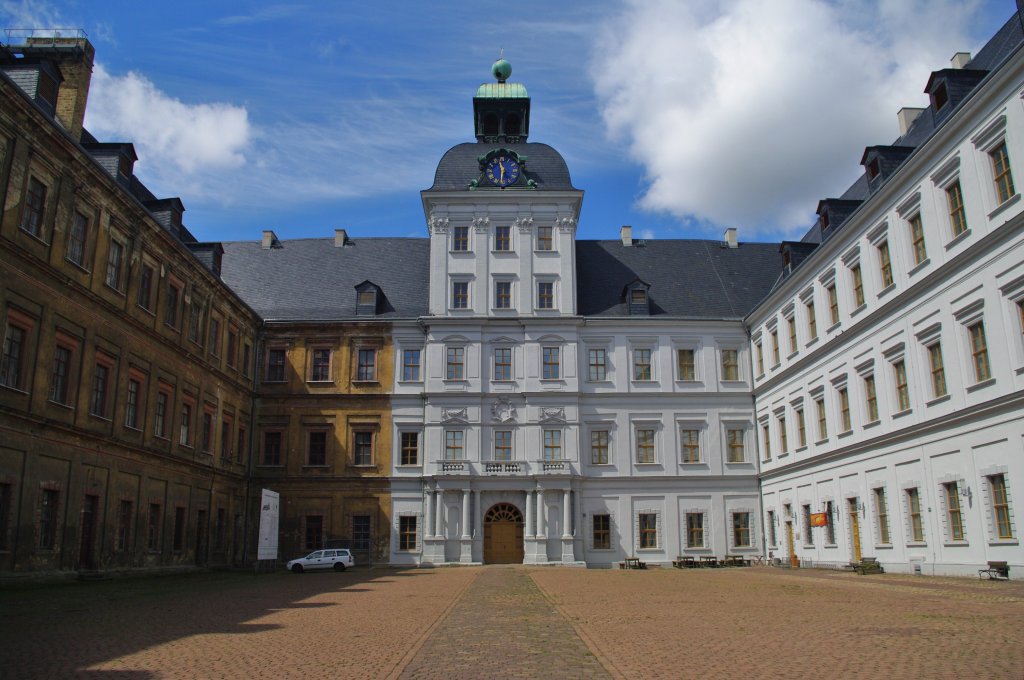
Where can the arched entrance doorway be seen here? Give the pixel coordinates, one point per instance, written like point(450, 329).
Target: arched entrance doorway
point(503, 535)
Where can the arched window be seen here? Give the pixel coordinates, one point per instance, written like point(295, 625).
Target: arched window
point(512, 124)
point(490, 124)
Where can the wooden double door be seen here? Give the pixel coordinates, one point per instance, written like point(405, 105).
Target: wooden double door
point(503, 535)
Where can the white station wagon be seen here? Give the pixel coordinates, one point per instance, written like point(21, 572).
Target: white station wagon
point(337, 559)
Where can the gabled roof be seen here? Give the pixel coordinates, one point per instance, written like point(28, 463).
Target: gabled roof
point(687, 278)
point(311, 279)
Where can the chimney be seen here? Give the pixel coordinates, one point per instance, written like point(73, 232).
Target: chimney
point(340, 237)
point(626, 234)
point(75, 57)
point(906, 116)
point(960, 60)
point(269, 240)
point(730, 238)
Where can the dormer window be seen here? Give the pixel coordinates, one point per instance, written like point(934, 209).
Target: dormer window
point(638, 298)
point(368, 296)
point(47, 88)
point(124, 166)
point(873, 169)
point(824, 221)
point(940, 97)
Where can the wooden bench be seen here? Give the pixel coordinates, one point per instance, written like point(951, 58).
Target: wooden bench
point(867, 565)
point(735, 561)
point(632, 563)
point(708, 561)
point(996, 571)
point(685, 562)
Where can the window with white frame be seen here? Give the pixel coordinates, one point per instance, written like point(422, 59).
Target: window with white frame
point(411, 364)
point(689, 444)
point(881, 516)
point(410, 448)
point(551, 367)
point(647, 530)
point(979, 351)
point(454, 445)
point(502, 445)
point(742, 531)
point(645, 440)
point(545, 295)
point(999, 499)
point(502, 294)
point(915, 521)
point(503, 239)
point(552, 445)
point(597, 364)
point(460, 239)
point(730, 364)
point(954, 512)
point(460, 294)
point(601, 531)
point(599, 443)
point(735, 442)
point(502, 364)
point(686, 364)
point(642, 367)
point(455, 363)
point(695, 530)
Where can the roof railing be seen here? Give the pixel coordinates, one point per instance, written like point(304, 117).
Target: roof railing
point(43, 37)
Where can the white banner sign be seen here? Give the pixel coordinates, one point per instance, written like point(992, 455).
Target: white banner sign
point(267, 549)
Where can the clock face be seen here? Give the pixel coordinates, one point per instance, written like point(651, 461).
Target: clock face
point(502, 171)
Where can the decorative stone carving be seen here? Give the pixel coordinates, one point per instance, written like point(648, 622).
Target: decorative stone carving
point(450, 414)
point(503, 411)
point(481, 224)
point(565, 224)
point(552, 413)
point(438, 225)
point(524, 224)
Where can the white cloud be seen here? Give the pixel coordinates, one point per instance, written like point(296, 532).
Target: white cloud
point(647, 234)
point(745, 112)
point(165, 130)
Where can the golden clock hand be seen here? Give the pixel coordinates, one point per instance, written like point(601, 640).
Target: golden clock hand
point(502, 166)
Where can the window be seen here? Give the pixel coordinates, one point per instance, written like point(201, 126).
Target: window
point(1001, 174)
point(411, 365)
point(690, 443)
point(979, 352)
point(153, 528)
point(240, 449)
point(695, 530)
point(844, 409)
point(185, 434)
point(885, 264)
point(100, 390)
point(131, 410)
point(406, 533)
point(366, 366)
point(218, 529)
point(544, 238)
point(246, 357)
point(503, 295)
point(899, 370)
point(937, 370)
point(917, 239)
point(766, 440)
point(225, 438)
point(366, 298)
point(272, 448)
point(599, 447)
point(551, 365)
point(460, 239)
point(115, 263)
point(275, 365)
point(645, 446)
point(361, 532)
point(731, 364)
point(1000, 507)
point(503, 239)
point(812, 321)
point(648, 528)
point(215, 338)
point(830, 526)
point(602, 532)
point(957, 215)
point(638, 296)
point(125, 516)
point(171, 312)
point(783, 437)
point(320, 371)
point(456, 362)
point(808, 534)
point(776, 360)
point(914, 514)
point(460, 294)
point(552, 445)
point(770, 521)
point(195, 317)
point(858, 285)
point(833, 303)
point(882, 513)
point(77, 235)
point(454, 445)
point(145, 297)
point(597, 365)
point(503, 363)
point(870, 398)
point(741, 529)
point(737, 451)
point(207, 433)
point(760, 358)
point(60, 374)
point(314, 532)
point(687, 368)
point(410, 448)
point(819, 405)
point(545, 295)
point(160, 418)
point(801, 428)
point(179, 529)
point(35, 202)
point(503, 445)
point(316, 449)
point(791, 325)
point(363, 448)
point(956, 523)
point(232, 345)
point(642, 364)
point(48, 519)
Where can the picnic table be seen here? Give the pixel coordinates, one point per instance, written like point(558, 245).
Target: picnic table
point(708, 561)
point(632, 563)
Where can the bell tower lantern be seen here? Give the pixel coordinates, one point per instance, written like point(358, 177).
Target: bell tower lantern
point(501, 110)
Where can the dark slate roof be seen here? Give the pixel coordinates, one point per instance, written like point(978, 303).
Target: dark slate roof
point(688, 278)
point(311, 279)
point(459, 166)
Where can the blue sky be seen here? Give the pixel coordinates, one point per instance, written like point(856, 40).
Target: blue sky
point(677, 118)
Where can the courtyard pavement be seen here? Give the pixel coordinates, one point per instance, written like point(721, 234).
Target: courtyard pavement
point(515, 622)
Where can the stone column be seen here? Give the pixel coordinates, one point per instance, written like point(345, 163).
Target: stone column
point(465, 515)
point(439, 514)
point(566, 515)
point(542, 525)
point(428, 529)
point(478, 518)
point(529, 514)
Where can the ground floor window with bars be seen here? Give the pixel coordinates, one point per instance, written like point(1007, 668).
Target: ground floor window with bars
point(741, 529)
point(602, 532)
point(695, 530)
point(407, 533)
point(648, 527)
point(361, 532)
point(314, 532)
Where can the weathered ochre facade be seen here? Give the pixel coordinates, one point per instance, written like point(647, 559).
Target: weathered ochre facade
point(334, 493)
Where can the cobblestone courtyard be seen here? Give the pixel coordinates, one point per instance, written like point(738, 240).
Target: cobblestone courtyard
point(515, 622)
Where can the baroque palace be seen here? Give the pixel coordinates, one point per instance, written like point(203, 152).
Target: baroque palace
point(501, 392)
